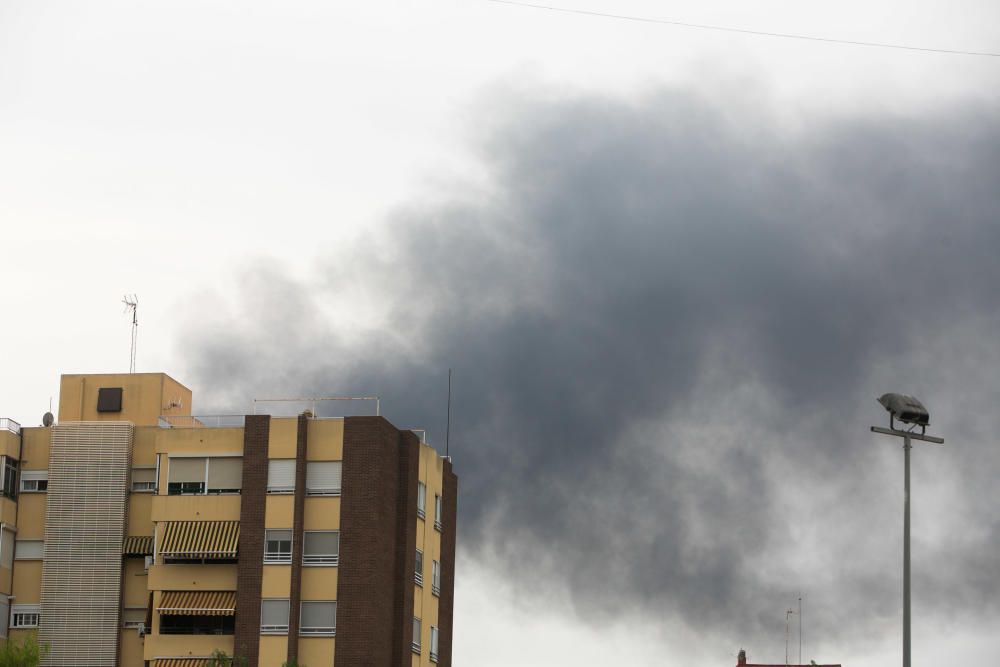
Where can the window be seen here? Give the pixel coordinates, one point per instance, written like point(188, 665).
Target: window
point(415, 645)
point(109, 399)
point(24, 615)
point(197, 625)
point(196, 475)
point(438, 511)
point(6, 548)
point(277, 546)
point(186, 476)
point(29, 550)
point(8, 484)
point(418, 568)
point(435, 577)
point(144, 479)
point(4, 615)
point(281, 476)
point(225, 474)
point(321, 547)
point(421, 499)
point(323, 478)
point(134, 617)
point(434, 644)
point(318, 618)
point(274, 617)
point(34, 480)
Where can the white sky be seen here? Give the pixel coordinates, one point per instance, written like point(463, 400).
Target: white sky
point(158, 148)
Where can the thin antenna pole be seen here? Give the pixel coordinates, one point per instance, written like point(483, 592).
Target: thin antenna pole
point(447, 433)
point(800, 628)
point(132, 304)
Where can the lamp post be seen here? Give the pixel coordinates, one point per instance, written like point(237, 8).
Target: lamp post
point(910, 411)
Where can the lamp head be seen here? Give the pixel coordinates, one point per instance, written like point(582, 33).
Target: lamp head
point(905, 408)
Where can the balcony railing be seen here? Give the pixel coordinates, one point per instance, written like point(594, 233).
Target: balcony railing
point(8, 424)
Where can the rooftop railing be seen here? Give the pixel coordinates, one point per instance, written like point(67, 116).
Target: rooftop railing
point(8, 424)
point(320, 406)
point(201, 421)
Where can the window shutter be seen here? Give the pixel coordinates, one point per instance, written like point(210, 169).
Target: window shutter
point(143, 475)
point(278, 535)
point(324, 543)
point(319, 615)
point(225, 473)
point(6, 549)
point(323, 478)
point(421, 497)
point(30, 550)
point(274, 613)
point(33, 475)
point(4, 615)
point(434, 640)
point(187, 469)
point(416, 632)
point(281, 475)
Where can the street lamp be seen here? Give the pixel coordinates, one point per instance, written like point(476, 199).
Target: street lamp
point(909, 411)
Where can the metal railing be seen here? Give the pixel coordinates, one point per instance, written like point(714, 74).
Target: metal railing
point(201, 421)
point(8, 424)
point(311, 402)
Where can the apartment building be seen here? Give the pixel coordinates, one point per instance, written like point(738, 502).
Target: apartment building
point(133, 534)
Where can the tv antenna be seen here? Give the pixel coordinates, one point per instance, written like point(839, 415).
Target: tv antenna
point(132, 306)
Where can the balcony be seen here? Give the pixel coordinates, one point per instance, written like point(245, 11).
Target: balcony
point(8, 424)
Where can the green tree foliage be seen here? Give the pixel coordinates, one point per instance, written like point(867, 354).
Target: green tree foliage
point(220, 658)
point(27, 653)
point(292, 663)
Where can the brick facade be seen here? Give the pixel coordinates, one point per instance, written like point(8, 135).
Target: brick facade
point(298, 537)
point(251, 562)
point(377, 545)
point(449, 532)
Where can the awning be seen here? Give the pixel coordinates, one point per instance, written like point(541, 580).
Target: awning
point(138, 545)
point(180, 662)
point(197, 603)
point(200, 539)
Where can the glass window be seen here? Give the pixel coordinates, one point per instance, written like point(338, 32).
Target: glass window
point(186, 475)
point(418, 568)
point(434, 644)
point(323, 478)
point(24, 616)
point(436, 578)
point(281, 476)
point(143, 479)
point(197, 625)
point(318, 618)
point(416, 636)
point(438, 511)
point(8, 484)
point(321, 547)
point(421, 499)
point(277, 546)
point(225, 474)
point(274, 616)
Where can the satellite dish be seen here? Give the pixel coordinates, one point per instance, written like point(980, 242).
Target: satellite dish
point(48, 419)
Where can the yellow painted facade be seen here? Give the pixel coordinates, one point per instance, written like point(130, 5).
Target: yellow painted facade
point(146, 398)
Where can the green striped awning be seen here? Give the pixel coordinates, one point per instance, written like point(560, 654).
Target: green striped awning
point(198, 603)
point(138, 545)
point(200, 539)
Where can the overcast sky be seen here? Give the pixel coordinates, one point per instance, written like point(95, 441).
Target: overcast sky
point(671, 269)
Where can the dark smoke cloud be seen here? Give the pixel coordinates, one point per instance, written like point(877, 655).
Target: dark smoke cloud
point(668, 323)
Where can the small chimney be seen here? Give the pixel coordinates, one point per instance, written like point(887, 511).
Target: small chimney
point(741, 659)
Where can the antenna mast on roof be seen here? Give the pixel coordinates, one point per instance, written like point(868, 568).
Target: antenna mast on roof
point(132, 305)
point(447, 433)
